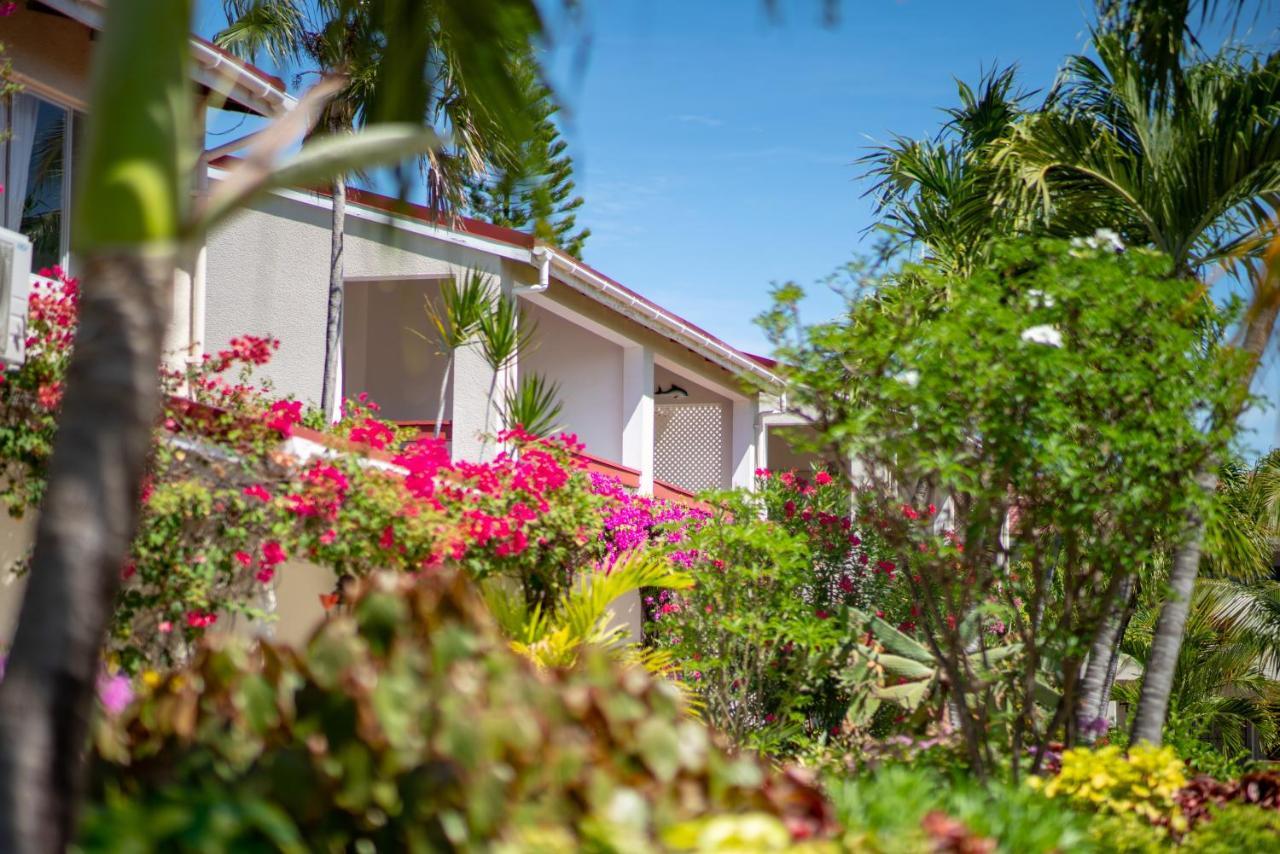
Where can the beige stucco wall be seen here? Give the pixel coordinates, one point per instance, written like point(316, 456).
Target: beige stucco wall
point(588, 370)
point(269, 274)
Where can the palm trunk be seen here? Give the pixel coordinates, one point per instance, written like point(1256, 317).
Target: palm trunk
point(1095, 688)
point(1162, 661)
point(333, 324)
point(86, 524)
point(1114, 667)
point(444, 392)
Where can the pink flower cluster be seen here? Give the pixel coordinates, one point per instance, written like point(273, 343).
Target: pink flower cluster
point(632, 521)
point(500, 499)
point(324, 489)
point(372, 432)
point(283, 415)
point(247, 350)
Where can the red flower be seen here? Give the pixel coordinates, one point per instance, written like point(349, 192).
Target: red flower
point(283, 415)
point(243, 558)
point(49, 396)
point(822, 478)
point(257, 491)
point(273, 553)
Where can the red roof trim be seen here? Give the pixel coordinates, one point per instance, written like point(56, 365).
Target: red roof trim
point(479, 228)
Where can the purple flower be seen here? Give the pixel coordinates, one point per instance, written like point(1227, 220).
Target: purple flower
point(114, 692)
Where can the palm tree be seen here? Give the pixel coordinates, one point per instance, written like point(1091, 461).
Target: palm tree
point(1190, 165)
point(340, 37)
point(1225, 679)
point(936, 193)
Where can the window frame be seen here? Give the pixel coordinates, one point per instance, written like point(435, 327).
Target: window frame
point(74, 110)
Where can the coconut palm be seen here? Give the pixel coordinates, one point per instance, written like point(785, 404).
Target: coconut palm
point(1188, 164)
point(341, 37)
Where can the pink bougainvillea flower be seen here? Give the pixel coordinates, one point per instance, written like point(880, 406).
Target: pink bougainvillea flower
point(257, 491)
point(165, 627)
point(114, 692)
point(328, 537)
point(265, 574)
point(201, 619)
point(50, 395)
point(283, 415)
point(243, 558)
point(273, 553)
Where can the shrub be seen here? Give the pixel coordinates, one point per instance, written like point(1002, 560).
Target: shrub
point(1234, 829)
point(1144, 783)
point(748, 636)
point(409, 725)
point(893, 809)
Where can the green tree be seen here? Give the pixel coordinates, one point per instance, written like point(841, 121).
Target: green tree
point(1185, 159)
point(1016, 388)
point(531, 186)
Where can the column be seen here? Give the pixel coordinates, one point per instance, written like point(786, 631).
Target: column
point(743, 438)
point(637, 413)
point(478, 405)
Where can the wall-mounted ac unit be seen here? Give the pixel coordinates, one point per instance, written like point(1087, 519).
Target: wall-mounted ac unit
point(15, 288)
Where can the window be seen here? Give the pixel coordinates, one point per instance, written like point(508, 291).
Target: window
point(37, 182)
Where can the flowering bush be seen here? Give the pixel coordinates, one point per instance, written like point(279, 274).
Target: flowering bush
point(1000, 405)
point(224, 508)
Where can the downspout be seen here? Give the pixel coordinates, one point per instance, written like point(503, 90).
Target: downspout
point(200, 261)
point(542, 256)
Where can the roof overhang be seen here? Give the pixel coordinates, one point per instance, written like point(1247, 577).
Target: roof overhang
point(520, 247)
point(250, 88)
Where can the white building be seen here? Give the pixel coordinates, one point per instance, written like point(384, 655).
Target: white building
point(610, 350)
point(667, 407)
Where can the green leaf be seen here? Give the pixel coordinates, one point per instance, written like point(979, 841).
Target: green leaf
point(319, 162)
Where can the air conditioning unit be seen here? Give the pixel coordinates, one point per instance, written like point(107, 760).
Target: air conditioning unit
point(15, 288)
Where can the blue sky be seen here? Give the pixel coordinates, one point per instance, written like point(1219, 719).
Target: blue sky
point(715, 146)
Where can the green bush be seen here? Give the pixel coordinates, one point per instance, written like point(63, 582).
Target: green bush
point(408, 725)
point(1236, 828)
point(888, 810)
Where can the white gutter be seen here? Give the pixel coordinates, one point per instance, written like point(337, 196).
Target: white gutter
point(238, 82)
point(216, 70)
point(647, 314)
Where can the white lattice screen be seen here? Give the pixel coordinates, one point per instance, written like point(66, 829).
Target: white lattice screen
point(690, 448)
